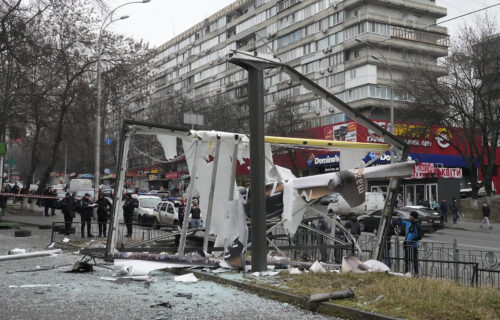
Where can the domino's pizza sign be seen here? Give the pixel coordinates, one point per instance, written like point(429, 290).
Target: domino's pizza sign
point(325, 160)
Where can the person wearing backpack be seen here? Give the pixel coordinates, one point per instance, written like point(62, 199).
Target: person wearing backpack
point(413, 231)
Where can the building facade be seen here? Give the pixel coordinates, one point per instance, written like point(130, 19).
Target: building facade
point(353, 47)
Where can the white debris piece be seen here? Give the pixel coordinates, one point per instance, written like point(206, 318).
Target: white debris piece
point(186, 278)
point(51, 246)
point(317, 267)
point(295, 271)
point(376, 266)
point(17, 251)
point(65, 240)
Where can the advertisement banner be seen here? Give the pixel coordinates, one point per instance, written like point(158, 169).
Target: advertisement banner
point(171, 175)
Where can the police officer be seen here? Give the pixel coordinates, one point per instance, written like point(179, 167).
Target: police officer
point(103, 209)
point(86, 207)
point(128, 212)
point(68, 207)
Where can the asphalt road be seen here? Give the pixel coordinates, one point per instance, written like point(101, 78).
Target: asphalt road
point(61, 295)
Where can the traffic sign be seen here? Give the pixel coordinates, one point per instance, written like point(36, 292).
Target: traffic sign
point(106, 171)
point(107, 141)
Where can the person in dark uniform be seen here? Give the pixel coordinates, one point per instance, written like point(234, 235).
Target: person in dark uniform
point(53, 203)
point(128, 212)
point(68, 207)
point(86, 207)
point(103, 209)
point(47, 202)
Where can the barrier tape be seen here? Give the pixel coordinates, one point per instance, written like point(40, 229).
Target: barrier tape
point(39, 196)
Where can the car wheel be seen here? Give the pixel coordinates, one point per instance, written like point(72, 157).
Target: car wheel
point(397, 230)
point(362, 225)
point(155, 224)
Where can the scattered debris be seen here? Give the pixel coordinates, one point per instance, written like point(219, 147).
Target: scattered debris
point(376, 266)
point(377, 299)
point(163, 304)
point(81, 267)
point(317, 267)
point(30, 255)
point(351, 263)
point(33, 286)
point(38, 268)
point(186, 278)
point(16, 251)
point(51, 246)
point(189, 296)
point(125, 279)
point(319, 297)
point(65, 240)
point(295, 271)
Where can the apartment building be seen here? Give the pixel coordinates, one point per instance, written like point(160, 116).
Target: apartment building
point(352, 47)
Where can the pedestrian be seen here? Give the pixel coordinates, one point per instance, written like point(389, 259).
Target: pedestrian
point(486, 215)
point(47, 202)
point(53, 203)
point(180, 210)
point(68, 207)
point(426, 203)
point(128, 212)
point(103, 210)
point(444, 210)
point(3, 203)
point(195, 215)
point(454, 210)
point(413, 235)
point(86, 211)
point(353, 226)
point(15, 190)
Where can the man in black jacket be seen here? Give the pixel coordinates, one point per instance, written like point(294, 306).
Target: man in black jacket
point(68, 207)
point(86, 207)
point(486, 215)
point(128, 212)
point(103, 209)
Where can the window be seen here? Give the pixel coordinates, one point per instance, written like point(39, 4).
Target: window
point(290, 38)
point(352, 73)
point(356, 54)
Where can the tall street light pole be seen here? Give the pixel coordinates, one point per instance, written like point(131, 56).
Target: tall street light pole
point(391, 106)
point(104, 25)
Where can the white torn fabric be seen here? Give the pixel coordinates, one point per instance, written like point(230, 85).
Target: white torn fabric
point(228, 217)
point(317, 267)
point(351, 158)
point(169, 145)
point(16, 251)
point(143, 267)
point(294, 208)
point(186, 278)
point(376, 266)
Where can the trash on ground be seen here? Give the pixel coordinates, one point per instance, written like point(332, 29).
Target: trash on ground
point(34, 286)
point(51, 246)
point(295, 271)
point(184, 295)
point(317, 267)
point(186, 278)
point(319, 297)
point(377, 299)
point(30, 255)
point(16, 251)
point(351, 263)
point(65, 240)
point(163, 304)
point(376, 266)
point(81, 267)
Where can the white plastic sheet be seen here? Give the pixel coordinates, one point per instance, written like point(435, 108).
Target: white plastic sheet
point(186, 278)
point(169, 145)
point(317, 267)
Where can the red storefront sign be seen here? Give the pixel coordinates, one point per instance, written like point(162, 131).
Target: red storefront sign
point(428, 170)
point(172, 175)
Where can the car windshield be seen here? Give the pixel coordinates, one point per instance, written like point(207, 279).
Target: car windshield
point(149, 202)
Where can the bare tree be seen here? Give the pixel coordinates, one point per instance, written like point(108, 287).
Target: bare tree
point(465, 101)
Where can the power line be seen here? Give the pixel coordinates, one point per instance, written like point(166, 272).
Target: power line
point(463, 15)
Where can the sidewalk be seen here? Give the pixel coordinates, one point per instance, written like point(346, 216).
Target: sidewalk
point(34, 220)
point(473, 226)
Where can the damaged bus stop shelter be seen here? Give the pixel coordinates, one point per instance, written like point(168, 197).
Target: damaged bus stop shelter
point(211, 158)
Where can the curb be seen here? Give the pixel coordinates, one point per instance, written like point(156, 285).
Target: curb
point(327, 308)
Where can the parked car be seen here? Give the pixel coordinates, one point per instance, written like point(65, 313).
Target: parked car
point(167, 213)
point(374, 201)
point(144, 213)
point(326, 200)
point(369, 222)
point(428, 216)
point(466, 192)
point(163, 194)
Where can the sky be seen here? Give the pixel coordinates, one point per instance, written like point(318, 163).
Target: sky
point(160, 20)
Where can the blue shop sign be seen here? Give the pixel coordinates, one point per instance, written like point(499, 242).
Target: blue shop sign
point(446, 160)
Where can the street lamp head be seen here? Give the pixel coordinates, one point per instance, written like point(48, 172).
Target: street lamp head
point(124, 17)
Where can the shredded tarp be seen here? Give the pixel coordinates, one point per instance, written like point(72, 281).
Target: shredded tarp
point(169, 145)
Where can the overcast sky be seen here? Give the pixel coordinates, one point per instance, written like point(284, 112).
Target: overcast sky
point(160, 20)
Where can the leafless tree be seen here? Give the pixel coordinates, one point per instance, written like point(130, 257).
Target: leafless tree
point(465, 101)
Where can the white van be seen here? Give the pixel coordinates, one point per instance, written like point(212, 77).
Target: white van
point(78, 184)
point(374, 201)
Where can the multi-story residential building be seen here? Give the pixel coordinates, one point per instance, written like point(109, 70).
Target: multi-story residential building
point(351, 47)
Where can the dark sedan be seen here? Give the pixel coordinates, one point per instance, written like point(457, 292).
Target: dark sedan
point(371, 221)
point(427, 216)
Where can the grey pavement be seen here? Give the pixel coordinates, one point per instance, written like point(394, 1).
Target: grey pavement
point(37, 219)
